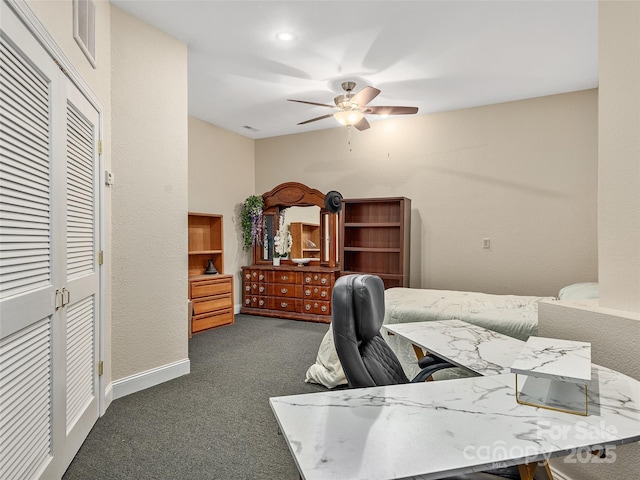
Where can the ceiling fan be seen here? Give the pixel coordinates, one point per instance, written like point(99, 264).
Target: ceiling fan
point(353, 106)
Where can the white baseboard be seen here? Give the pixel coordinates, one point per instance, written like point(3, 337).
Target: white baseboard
point(236, 308)
point(140, 381)
point(108, 398)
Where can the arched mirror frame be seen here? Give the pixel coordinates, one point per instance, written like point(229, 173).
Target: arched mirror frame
point(292, 194)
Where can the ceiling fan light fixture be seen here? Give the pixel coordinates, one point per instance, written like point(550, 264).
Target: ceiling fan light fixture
point(348, 117)
point(285, 36)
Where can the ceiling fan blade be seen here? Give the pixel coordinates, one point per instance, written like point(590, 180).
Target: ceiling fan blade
point(316, 119)
point(391, 110)
point(311, 103)
point(364, 96)
point(362, 124)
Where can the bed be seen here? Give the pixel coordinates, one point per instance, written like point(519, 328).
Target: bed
point(513, 315)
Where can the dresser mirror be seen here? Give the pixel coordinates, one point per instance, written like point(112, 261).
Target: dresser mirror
point(314, 229)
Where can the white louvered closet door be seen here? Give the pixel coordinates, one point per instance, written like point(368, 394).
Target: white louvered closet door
point(81, 283)
point(48, 288)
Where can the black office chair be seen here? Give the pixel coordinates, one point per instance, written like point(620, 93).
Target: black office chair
point(366, 358)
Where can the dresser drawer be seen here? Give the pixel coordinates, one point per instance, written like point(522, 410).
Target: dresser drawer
point(207, 288)
point(210, 304)
point(256, 276)
point(316, 307)
point(257, 288)
point(285, 290)
point(315, 278)
point(255, 301)
point(283, 276)
point(210, 320)
point(317, 293)
point(284, 304)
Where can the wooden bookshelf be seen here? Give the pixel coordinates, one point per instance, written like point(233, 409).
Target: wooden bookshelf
point(375, 238)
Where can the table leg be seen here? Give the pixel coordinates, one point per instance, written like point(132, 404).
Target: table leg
point(527, 471)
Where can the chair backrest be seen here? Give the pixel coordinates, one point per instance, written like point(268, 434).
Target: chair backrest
point(357, 315)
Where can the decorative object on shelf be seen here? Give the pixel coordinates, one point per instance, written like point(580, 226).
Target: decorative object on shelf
point(252, 221)
point(276, 261)
point(211, 269)
point(333, 201)
point(282, 240)
point(301, 261)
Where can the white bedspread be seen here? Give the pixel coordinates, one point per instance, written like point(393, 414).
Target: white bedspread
point(513, 315)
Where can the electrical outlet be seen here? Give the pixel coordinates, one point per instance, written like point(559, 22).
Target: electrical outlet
point(108, 178)
point(486, 243)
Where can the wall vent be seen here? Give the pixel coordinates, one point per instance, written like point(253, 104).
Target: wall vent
point(249, 127)
point(84, 28)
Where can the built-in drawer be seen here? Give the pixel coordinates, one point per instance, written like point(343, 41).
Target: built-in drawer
point(283, 276)
point(315, 278)
point(210, 304)
point(207, 288)
point(317, 293)
point(316, 307)
point(210, 320)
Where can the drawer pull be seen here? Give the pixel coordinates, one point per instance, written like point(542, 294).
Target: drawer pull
point(307, 279)
point(261, 303)
point(323, 294)
point(247, 276)
point(307, 292)
point(261, 277)
point(323, 281)
point(285, 278)
point(307, 307)
point(247, 301)
point(315, 277)
point(247, 288)
point(284, 304)
point(261, 288)
point(323, 308)
point(283, 290)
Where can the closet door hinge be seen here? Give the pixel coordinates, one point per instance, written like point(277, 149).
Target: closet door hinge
point(100, 368)
point(99, 147)
point(100, 257)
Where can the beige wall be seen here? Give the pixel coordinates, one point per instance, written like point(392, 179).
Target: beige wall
point(150, 162)
point(612, 324)
point(523, 174)
point(221, 177)
point(619, 155)
point(57, 18)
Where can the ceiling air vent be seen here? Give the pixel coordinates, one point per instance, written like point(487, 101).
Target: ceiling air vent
point(250, 128)
point(84, 28)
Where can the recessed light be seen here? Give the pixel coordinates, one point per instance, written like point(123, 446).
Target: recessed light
point(285, 36)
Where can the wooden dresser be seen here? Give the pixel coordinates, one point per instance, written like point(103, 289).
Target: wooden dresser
point(212, 301)
point(289, 291)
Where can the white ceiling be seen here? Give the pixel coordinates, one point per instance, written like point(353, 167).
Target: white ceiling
point(435, 55)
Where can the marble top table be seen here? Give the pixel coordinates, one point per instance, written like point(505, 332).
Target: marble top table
point(433, 430)
point(555, 359)
point(480, 350)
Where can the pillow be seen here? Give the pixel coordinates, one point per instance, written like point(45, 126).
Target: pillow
point(579, 291)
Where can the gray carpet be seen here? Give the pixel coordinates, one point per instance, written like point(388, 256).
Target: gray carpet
point(214, 423)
